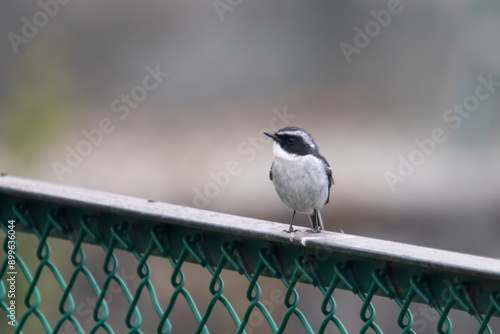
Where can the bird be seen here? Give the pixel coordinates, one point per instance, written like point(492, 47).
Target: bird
point(300, 174)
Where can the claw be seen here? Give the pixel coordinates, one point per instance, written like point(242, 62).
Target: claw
point(314, 231)
point(290, 230)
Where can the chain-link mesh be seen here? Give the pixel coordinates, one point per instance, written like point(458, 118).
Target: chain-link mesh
point(324, 269)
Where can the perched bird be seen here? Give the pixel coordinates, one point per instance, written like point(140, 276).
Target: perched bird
point(301, 175)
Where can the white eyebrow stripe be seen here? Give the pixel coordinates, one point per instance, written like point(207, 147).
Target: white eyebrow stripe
point(304, 136)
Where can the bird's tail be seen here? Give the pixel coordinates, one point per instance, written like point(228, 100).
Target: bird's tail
point(316, 221)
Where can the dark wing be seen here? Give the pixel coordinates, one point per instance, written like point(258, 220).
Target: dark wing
point(271, 172)
point(328, 171)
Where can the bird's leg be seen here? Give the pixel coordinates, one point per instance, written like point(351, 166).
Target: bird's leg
point(291, 230)
point(316, 225)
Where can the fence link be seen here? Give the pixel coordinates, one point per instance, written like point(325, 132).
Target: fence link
point(219, 243)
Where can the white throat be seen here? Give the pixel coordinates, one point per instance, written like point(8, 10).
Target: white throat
point(280, 153)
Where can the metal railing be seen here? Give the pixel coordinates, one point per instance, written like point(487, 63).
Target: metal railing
point(174, 236)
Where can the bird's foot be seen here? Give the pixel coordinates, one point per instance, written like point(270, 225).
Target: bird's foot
point(290, 230)
point(314, 231)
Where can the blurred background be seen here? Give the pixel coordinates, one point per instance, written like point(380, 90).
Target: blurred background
point(167, 100)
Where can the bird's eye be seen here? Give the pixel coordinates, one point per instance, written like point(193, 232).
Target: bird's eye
point(290, 141)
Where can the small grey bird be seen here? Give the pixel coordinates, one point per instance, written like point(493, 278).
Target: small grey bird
point(301, 176)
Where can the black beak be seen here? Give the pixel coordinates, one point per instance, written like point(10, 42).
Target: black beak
point(272, 135)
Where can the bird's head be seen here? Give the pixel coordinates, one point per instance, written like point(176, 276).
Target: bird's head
point(292, 140)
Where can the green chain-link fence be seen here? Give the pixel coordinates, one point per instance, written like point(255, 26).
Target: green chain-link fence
point(254, 249)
